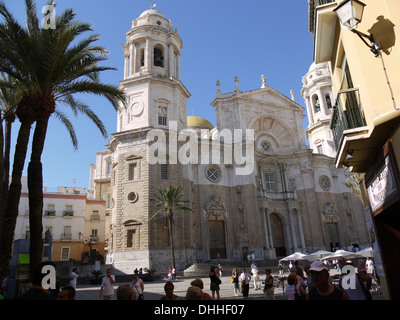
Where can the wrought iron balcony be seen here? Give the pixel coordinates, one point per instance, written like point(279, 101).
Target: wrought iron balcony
point(347, 114)
point(68, 213)
point(50, 213)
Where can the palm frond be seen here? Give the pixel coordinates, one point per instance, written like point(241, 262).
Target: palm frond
point(68, 125)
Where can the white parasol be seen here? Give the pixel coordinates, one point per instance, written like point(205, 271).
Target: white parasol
point(316, 255)
point(340, 254)
point(367, 252)
point(294, 256)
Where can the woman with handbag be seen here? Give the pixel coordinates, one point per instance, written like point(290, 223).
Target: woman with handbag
point(215, 282)
point(235, 281)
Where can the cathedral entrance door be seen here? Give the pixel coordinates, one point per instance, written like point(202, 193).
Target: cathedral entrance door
point(333, 234)
point(278, 235)
point(216, 233)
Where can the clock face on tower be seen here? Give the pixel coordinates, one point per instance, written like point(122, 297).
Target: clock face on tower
point(136, 108)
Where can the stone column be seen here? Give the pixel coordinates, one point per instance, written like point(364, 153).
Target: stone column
point(171, 58)
point(178, 66)
point(126, 62)
point(292, 228)
point(147, 59)
point(322, 103)
point(265, 226)
point(302, 241)
point(310, 110)
point(131, 58)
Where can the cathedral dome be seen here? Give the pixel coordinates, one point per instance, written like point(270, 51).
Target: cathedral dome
point(153, 12)
point(198, 122)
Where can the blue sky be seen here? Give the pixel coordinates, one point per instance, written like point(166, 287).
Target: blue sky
point(221, 39)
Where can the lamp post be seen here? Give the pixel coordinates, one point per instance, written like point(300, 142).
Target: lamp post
point(350, 14)
point(89, 242)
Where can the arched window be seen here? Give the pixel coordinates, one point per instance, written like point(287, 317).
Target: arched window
point(328, 101)
point(317, 106)
point(142, 57)
point(158, 57)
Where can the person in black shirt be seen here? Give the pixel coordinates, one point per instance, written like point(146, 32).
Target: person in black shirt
point(322, 289)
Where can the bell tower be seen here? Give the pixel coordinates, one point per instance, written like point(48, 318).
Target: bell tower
point(318, 96)
point(152, 75)
point(155, 98)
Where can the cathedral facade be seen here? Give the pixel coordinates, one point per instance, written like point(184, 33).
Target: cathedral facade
point(254, 184)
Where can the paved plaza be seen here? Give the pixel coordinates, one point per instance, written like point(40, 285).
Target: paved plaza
point(155, 290)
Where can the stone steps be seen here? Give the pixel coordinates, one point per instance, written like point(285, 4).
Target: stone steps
point(202, 269)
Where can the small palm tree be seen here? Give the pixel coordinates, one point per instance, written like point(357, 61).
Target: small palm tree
point(166, 201)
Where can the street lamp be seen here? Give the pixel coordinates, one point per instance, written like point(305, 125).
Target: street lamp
point(350, 14)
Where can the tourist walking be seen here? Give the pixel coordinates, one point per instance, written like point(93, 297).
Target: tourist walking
point(255, 276)
point(74, 277)
point(107, 286)
point(280, 268)
point(268, 285)
point(244, 283)
point(235, 281)
point(370, 266)
point(220, 270)
point(138, 287)
point(215, 282)
point(294, 290)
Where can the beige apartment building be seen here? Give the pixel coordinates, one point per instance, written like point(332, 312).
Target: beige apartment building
point(363, 54)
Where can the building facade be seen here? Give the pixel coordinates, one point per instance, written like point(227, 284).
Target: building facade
point(76, 224)
point(252, 181)
point(363, 57)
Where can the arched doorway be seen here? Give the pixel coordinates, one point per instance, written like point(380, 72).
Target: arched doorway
point(278, 235)
point(216, 232)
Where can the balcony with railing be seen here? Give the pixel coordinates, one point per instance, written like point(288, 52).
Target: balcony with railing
point(50, 213)
point(68, 213)
point(347, 114)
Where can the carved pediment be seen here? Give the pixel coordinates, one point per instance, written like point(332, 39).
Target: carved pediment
point(215, 209)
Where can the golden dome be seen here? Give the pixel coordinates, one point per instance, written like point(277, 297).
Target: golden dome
point(198, 122)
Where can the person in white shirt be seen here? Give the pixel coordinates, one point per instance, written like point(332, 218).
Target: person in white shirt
point(107, 286)
point(256, 277)
point(138, 287)
point(74, 277)
point(245, 280)
point(370, 266)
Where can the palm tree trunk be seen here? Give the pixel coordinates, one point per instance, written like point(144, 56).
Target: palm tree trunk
point(35, 187)
point(2, 175)
point(5, 144)
point(11, 210)
point(171, 239)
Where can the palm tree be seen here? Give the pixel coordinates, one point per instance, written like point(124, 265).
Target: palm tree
point(9, 98)
point(167, 200)
point(50, 67)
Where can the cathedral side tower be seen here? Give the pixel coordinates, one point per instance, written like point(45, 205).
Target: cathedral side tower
point(152, 75)
point(156, 98)
point(318, 96)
